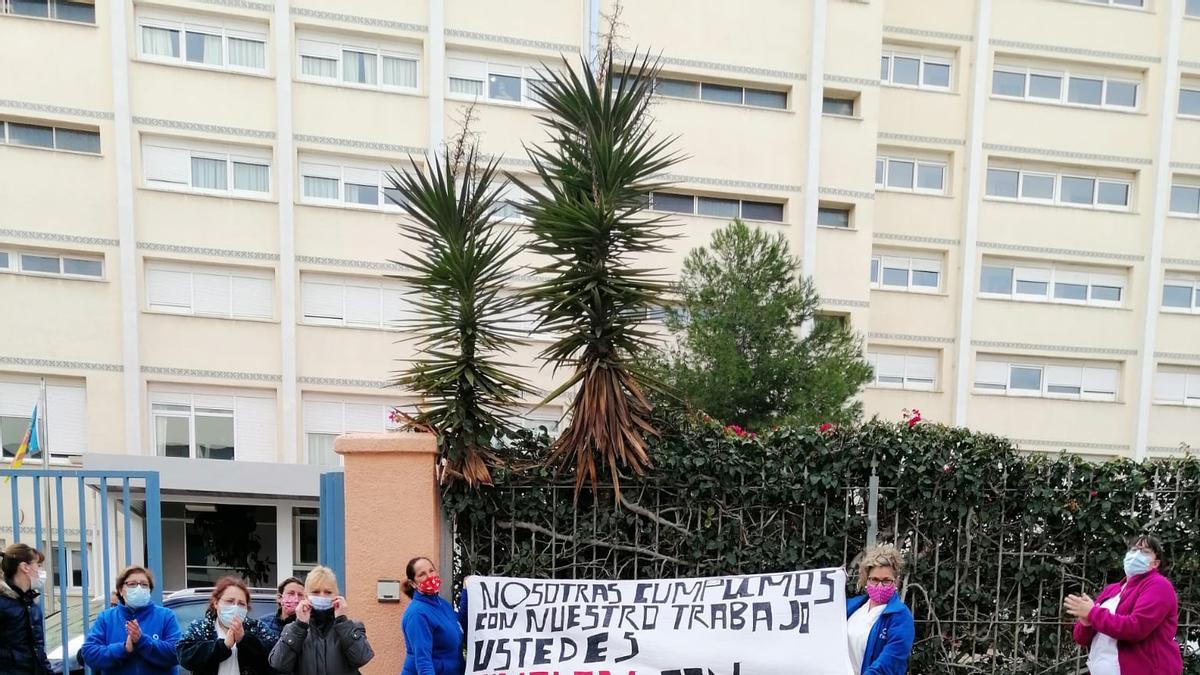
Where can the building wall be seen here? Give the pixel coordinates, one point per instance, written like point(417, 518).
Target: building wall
point(119, 205)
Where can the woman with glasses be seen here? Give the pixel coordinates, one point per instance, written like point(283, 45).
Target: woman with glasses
point(136, 637)
point(1129, 629)
point(879, 625)
point(226, 641)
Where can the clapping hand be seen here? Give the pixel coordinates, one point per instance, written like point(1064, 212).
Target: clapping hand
point(1079, 606)
point(133, 633)
point(235, 633)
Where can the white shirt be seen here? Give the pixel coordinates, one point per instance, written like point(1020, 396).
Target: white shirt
point(1102, 657)
point(230, 665)
point(858, 630)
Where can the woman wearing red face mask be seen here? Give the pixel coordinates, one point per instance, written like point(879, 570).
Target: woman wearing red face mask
point(433, 637)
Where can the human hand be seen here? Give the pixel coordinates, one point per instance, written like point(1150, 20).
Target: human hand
point(234, 633)
point(133, 630)
point(304, 611)
point(339, 606)
point(1079, 606)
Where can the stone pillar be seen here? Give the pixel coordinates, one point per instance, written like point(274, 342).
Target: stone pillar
point(392, 515)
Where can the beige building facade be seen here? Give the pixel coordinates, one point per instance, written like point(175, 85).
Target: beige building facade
point(1001, 197)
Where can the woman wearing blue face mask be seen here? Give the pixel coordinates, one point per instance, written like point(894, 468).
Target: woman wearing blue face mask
point(22, 630)
point(322, 640)
point(225, 641)
point(136, 637)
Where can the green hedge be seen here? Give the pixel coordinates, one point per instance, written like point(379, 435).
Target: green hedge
point(993, 538)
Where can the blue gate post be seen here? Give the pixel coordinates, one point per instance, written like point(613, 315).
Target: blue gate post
point(331, 526)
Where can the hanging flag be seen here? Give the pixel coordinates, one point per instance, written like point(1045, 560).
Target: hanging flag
point(29, 444)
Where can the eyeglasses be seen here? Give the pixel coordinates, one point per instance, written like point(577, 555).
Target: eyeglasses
point(882, 582)
point(136, 584)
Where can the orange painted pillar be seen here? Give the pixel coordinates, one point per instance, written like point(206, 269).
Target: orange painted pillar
point(392, 515)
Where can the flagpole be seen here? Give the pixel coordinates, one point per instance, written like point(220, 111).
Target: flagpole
point(43, 436)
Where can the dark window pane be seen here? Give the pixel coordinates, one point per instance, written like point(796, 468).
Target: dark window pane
point(1035, 186)
point(895, 276)
point(171, 436)
point(838, 106)
point(1002, 183)
point(712, 206)
point(900, 174)
point(39, 263)
point(214, 437)
point(883, 68)
point(833, 217)
point(1189, 100)
point(1123, 94)
point(504, 87)
point(84, 12)
point(30, 134)
point(1070, 291)
point(308, 541)
point(87, 268)
point(1106, 293)
point(1077, 190)
point(79, 141)
point(362, 194)
point(1038, 288)
point(665, 201)
point(1113, 194)
point(762, 211)
point(1177, 296)
point(3, 260)
point(996, 280)
point(1045, 86)
point(930, 176)
point(677, 88)
point(937, 74)
point(874, 270)
point(905, 70)
point(12, 432)
point(925, 279)
point(1084, 90)
point(1185, 199)
point(764, 98)
point(30, 7)
point(1026, 379)
point(1008, 84)
point(720, 93)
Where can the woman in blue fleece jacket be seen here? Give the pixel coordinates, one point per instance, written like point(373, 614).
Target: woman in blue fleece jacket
point(136, 637)
point(879, 625)
point(433, 637)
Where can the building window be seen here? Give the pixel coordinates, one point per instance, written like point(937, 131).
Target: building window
point(207, 42)
point(1192, 8)
point(331, 183)
point(900, 272)
point(390, 67)
point(1185, 199)
point(1118, 3)
point(1181, 294)
point(66, 432)
point(505, 82)
point(234, 293)
point(1177, 386)
point(1189, 98)
point(207, 169)
point(903, 370)
point(61, 10)
point(549, 419)
point(305, 534)
point(326, 419)
point(1046, 380)
point(49, 137)
point(360, 302)
point(713, 92)
point(716, 207)
point(838, 104)
point(52, 263)
point(907, 174)
point(74, 566)
point(1059, 189)
point(1057, 284)
point(913, 69)
point(833, 215)
point(204, 426)
point(1065, 88)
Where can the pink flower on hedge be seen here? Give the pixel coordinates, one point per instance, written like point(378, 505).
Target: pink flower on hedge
point(912, 417)
point(827, 429)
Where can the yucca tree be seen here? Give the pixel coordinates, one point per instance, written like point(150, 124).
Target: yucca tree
point(588, 220)
point(459, 265)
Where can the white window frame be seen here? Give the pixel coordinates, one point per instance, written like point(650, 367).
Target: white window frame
point(1192, 87)
point(489, 67)
point(1191, 184)
point(384, 286)
point(924, 58)
point(1114, 4)
point(741, 204)
point(787, 94)
point(1051, 274)
point(1058, 186)
point(204, 151)
point(54, 129)
point(310, 166)
point(1065, 76)
point(1087, 370)
point(213, 26)
point(297, 562)
point(912, 364)
point(15, 266)
point(51, 14)
point(1190, 385)
point(944, 165)
point(910, 261)
point(1183, 281)
point(380, 50)
point(232, 273)
point(190, 416)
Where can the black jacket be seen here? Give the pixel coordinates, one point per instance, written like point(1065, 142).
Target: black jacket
point(331, 647)
point(201, 651)
point(22, 632)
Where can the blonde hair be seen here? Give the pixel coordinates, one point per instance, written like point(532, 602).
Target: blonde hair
point(883, 555)
point(320, 577)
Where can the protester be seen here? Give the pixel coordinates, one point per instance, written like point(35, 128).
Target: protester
point(136, 637)
point(22, 628)
point(1129, 629)
point(226, 641)
point(879, 625)
point(322, 640)
point(287, 597)
point(433, 637)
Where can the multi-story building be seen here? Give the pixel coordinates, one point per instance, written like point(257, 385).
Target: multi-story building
point(1002, 198)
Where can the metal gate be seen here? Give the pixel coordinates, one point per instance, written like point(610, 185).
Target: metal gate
point(89, 525)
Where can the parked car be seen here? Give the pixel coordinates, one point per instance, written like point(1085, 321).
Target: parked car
point(188, 605)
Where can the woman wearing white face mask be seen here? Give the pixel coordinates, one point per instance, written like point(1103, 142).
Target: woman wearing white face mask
point(322, 640)
point(226, 641)
point(1129, 629)
point(22, 629)
point(136, 637)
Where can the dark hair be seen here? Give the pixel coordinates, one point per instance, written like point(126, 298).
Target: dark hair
point(288, 582)
point(124, 576)
point(1151, 542)
point(16, 554)
point(410, 571)
point(223, 585)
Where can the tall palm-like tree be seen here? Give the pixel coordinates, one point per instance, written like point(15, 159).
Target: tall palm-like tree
point(588, 220)
point(459, 268)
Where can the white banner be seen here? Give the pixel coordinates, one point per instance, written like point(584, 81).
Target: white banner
point(762, 624)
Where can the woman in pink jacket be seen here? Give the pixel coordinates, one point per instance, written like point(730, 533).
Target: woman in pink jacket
point(1130, 628)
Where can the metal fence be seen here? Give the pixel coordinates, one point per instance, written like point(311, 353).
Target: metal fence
point(986, 588)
